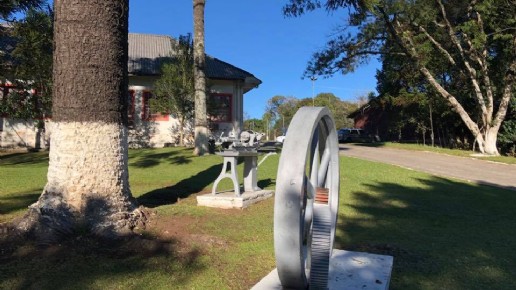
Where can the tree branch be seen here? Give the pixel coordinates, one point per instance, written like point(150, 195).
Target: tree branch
point(437, 44)
point(510, 81)
point(408, 45)
point(470, 69)
point(391, 30)
point(481, 60)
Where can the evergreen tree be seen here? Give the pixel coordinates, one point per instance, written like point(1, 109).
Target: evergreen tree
point(31, 67)
point(175, 88)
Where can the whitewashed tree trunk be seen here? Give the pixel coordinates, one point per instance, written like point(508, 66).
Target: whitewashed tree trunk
point(87, 177)
point(87, 185)
point(489, 142)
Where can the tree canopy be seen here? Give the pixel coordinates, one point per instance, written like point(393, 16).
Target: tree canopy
point(449, 44)
point(280, 110)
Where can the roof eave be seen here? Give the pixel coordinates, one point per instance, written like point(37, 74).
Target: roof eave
point(251, 83)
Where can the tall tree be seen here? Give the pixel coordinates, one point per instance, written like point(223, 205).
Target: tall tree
point(477, 40)
point(87, 185)
point(175, 88)
point(408, 104)
point(201, 120)
point(29, 67)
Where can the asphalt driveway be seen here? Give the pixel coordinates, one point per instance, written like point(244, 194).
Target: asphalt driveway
point(469, 169)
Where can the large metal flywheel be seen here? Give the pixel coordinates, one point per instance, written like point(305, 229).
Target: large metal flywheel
point(306, 200)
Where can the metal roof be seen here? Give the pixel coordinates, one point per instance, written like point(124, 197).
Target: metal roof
point(147, 52)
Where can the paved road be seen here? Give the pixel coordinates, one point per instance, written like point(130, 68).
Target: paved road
point(469, 169)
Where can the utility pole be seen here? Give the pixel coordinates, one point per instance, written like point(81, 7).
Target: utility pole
point(313, 79)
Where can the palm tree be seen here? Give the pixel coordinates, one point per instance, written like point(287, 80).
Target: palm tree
point(201, 126)
point(87, 184)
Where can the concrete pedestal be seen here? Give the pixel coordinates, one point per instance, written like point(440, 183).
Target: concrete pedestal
point(229, 199)
point(348, 270)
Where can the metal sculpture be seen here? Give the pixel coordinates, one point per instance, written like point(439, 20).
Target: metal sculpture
point(306, 200)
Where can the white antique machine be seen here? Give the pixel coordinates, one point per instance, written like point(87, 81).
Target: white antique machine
point(306, 200)
point(249, 140)
point(246, 147)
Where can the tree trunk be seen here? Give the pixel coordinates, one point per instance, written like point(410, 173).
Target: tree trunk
point(487, 142)
point(431, 126)
point(201, 126)
point(182, 131)
point(87, 182)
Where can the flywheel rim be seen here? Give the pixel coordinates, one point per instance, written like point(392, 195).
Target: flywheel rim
point(312, 130)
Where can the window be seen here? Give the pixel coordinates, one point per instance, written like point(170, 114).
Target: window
point(18, 102)
point(148, 114)
point(219, 108)
point(146, 111)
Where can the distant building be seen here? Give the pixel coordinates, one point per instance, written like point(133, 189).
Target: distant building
point(147, 52)
point(371, 118)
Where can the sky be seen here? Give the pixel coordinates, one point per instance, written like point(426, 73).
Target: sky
point(255, 36)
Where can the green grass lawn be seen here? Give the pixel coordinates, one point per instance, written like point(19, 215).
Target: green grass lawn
point(454, 152)
point(443, 233)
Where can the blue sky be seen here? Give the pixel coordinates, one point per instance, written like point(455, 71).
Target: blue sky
point(255, 36)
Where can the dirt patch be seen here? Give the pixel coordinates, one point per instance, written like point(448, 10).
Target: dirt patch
point(164, 235)
point(19, 247)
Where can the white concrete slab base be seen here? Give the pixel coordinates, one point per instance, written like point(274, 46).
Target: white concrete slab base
point(348, 270)
point(229, 200)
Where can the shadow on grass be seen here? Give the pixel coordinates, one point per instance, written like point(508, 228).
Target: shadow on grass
point(442, 233)
point(186, 187)
point(264, 183)
point(343, 148)
point(148, 158)
point(182, 189)
point(373, 144)
point(12, 203)
point(24, 158)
